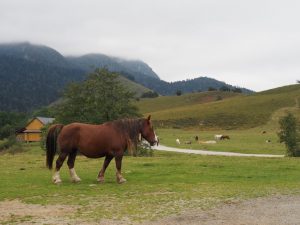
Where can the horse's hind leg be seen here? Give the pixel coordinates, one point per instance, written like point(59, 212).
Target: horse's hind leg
point(120, 178)
point(71, 161)
point(59, 162)
point(107, 160)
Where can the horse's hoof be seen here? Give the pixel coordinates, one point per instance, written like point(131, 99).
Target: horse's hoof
point(76, 180)
point(121, 180)
point(100, 180)
point(57, 181)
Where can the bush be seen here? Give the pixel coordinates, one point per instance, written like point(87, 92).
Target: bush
point(11, 145)
point(178, 92)
point(289, 134)
point(143, 149)
point(44, 133)
point(149, 94)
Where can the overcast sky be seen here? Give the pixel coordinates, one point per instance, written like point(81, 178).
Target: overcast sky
point(253, 44)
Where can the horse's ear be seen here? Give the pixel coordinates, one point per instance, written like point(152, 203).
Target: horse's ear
point(148, 118)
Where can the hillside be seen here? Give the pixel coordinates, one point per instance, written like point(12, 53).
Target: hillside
point(242, 111)
point(32, 76)
point(90, 62)
point(173, 102)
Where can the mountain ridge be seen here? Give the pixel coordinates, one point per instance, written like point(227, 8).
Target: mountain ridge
point(32, 75)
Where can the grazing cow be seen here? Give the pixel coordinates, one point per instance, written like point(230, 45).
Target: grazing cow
point(225, 137)
point(196, 138)
point(188, 142)
point(218, 136)
point(264, 132)
point(268, 141)
point(177, 141)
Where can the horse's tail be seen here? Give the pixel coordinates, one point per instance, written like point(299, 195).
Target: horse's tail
point(51, 143)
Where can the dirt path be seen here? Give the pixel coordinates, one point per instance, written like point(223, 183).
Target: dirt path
point(205, 152)
point(274, 210)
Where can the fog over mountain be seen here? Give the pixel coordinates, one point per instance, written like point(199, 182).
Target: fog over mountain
point(32, 76)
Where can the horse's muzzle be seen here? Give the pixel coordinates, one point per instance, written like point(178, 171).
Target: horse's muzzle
point(152, 143)
point(156, 142)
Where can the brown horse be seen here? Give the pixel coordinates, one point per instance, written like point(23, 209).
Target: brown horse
point(110, 139)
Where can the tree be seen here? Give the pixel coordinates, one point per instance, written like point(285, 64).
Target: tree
point(224, 88)
point(237, 90)
point(289, 134)
point(211, 89)
point(10, 122)
point(149, 94)
point(98, 99)
point(178, 92)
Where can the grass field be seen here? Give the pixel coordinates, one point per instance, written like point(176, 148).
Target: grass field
point(171, 183)
point(239, 112)
point(157, 186)
point(250, 141)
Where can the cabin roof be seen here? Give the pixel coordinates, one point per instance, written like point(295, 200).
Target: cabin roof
point(31, 131)
point(45, 120)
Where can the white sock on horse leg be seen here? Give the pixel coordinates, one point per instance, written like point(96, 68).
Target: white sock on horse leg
point(56, 177)
point(74, 176)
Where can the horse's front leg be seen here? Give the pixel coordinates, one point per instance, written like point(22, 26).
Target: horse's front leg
point(120, 178)
point(107, 160)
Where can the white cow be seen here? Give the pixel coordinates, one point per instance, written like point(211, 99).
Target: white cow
point(177, 141)
point(218, 136)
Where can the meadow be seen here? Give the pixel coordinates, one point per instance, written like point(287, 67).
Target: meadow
point(170, 183)
point(251, 121)
point(251, 141)
point(233, 112)
point(165, 184)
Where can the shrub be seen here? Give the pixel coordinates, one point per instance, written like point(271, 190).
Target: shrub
point(11, 145)
point(178, 92)
point(149, 94)
point(44, 133)
point(143, 149)
point(289, 134)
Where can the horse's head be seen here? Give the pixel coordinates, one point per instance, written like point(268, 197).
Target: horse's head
point(147, 131)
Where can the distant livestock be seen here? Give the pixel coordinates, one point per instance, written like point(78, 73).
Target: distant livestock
point(196, 138)
point(218, 136)
point(225, 137)
point(221, 137)
point(177, 141)
point(188, 142)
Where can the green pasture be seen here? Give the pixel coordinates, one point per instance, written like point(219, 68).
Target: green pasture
point(239, 112)
point(251, 141)
point(165, 184)
point(149, 105)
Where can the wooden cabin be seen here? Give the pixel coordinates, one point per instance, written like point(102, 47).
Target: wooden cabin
point(32, 131)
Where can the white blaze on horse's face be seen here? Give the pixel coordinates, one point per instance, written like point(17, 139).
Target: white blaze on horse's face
point(148, 132)
point(156, 138)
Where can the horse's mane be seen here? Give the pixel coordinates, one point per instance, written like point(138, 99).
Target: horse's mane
point(131, 129)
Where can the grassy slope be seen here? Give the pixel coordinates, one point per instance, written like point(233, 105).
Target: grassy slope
point(231, 113)
point(164, 184)
point(170, 102)
point(133, 87)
